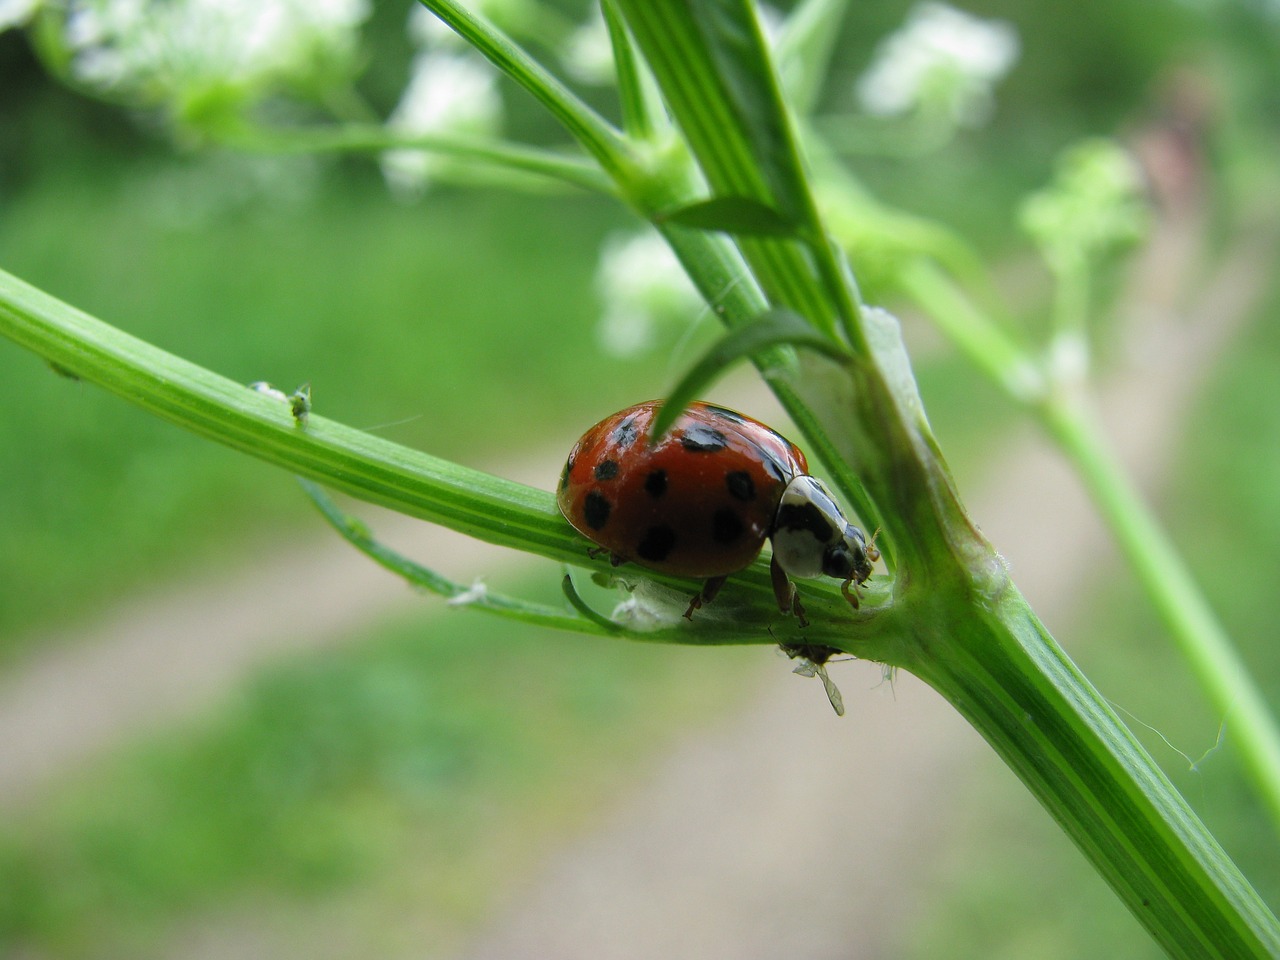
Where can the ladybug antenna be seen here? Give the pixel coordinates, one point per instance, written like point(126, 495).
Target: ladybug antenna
point(872, 553)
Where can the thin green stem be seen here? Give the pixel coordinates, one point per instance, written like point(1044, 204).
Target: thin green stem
point(1176, 596)
point(969, 328)
point(375, 138)
point(639, 106)
point(1160, 569)
point(597, 136)
point(475, 597)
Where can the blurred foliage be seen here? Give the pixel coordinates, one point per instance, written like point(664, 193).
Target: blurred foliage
point(383, 308)
point(466, 752)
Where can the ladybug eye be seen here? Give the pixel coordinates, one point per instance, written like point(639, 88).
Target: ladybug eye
point(847, 559)
point(837, 562)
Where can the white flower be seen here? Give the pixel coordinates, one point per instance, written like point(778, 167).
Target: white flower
point(773, 22)
point(184, 50)
point(588, 53)
point(14, 13)
point(941, 55)
point(447, 93)
point(641, 284)
point(426, 30)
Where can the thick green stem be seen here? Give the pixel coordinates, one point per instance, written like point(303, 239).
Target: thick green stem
point(1160, 569)
point(954, 618)
point(1000, 668)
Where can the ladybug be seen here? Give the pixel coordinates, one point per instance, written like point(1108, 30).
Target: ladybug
point(701, 500)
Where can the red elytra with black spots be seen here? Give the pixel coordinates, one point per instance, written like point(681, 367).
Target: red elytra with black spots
point(700, 502)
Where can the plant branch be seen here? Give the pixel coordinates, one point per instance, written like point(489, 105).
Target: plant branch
point(596, 135)
point(1160, 569)
point(375, 138)
point(376, 470)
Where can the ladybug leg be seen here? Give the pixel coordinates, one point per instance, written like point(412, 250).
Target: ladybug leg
point(850, 591)
point(595, 553)
point(785, 592)
point(705, 595)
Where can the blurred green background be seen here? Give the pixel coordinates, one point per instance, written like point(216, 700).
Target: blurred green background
point(411, 772)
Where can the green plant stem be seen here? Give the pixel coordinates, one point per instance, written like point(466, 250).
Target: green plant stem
point(640, 107)
point(1176, 596)
point(375, 138)
point(371, 468)
point(596, 135)
point(1000, 668)
point(1163, 574)
point(954, 618)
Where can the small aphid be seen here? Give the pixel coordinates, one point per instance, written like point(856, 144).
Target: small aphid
point(298, 402)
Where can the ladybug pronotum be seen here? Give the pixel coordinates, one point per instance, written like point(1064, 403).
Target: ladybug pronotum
point(702, 500)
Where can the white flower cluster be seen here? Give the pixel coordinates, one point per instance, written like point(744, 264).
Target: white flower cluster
point(941, 57)
point(588, 53)
point(451, 91)
point(191, 51)
point(15, 13)
point(641, 284)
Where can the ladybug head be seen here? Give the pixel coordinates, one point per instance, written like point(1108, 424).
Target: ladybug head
point(812, 538)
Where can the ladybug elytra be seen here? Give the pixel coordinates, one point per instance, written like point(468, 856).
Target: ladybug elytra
point(702, 500)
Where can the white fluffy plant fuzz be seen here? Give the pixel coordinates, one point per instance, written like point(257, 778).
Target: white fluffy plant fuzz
point(942, 59)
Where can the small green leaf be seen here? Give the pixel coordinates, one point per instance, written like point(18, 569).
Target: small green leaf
point(475, 596)
point(736, 215)
point(772, 328)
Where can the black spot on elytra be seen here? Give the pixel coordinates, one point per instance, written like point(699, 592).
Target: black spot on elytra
point(700, 438)
point(564, 474)
point(606, 470)
point(596, 509)
point(625, 433)
point(805, 516)
point(726, 526)
point(657, 544)
point(740, 484)
point(655, 484)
